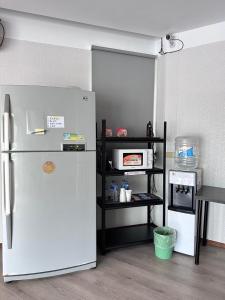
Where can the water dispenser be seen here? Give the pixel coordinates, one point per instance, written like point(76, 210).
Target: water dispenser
point(183, 186)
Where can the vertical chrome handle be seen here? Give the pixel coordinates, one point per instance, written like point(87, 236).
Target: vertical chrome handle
point(6, 124)
point(6, 193)
point(2, 132)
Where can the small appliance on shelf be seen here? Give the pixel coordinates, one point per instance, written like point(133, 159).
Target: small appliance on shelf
point(126, 159)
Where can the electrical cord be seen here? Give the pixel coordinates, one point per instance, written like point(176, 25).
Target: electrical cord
point(153, 184)
point(150, 133)
point(150, 213)
point(3, 33)
point(172, 39)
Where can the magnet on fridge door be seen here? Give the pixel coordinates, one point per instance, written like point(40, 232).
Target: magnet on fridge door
point(48, 167)
point(39, 131)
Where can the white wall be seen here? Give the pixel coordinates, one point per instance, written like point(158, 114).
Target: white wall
point(193, 98)
point(203, 35)
point(197, 37)
point(70, 34)
point(23, 62)
point(190, 96)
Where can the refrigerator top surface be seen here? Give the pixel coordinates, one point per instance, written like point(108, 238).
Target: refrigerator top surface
point(39, 118)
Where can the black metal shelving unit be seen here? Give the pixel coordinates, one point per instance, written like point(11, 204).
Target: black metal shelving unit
point(112, 238)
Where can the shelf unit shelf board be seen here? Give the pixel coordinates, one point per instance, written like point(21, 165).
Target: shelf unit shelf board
point(115, 172)
point(128, 235)
point(154, 200)
point(130, 140)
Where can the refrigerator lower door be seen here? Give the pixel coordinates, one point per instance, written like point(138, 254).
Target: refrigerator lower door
point(53, 213)
point(185, 231)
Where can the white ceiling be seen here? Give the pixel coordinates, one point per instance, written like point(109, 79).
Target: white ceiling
point(150, 17)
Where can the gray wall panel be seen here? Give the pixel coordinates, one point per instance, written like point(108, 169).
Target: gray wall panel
point(124, 86)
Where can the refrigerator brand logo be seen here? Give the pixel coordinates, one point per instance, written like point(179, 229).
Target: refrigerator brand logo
point(48, 167)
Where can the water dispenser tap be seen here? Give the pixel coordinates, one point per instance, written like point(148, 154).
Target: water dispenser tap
point(187, 190)
point(182, 190)
point(177, 189)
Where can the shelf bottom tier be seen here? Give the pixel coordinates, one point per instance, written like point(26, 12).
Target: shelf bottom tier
point(126, 236)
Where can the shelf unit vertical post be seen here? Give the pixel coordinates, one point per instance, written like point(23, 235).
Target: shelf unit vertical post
point(103, 166)
point(149, 177)
point(164, 175)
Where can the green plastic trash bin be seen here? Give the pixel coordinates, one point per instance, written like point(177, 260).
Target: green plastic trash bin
point(164, 241)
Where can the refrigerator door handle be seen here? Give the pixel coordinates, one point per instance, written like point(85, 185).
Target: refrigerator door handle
point(6, 177)
point(6, 123)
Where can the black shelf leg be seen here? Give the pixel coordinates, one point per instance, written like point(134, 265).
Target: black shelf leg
point(149, 207)
point(198, 233)
point(164, 176)
point(103, 234)
point(103, 166)
point(205, 224)
point(149, 214)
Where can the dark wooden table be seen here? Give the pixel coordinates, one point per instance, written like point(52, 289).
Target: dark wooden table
point(206, 194)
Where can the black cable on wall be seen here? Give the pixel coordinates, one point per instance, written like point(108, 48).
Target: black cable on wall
point(2, 33)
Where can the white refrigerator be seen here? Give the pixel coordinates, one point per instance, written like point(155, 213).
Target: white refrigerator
point(48, 180)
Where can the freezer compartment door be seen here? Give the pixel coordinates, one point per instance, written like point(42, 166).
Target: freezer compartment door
point(44, 118)
point(53, 212)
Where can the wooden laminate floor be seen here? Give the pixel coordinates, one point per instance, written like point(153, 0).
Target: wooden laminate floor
point(132, 274)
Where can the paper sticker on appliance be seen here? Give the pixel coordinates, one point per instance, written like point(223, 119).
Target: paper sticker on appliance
point(55, 121)
point(73, 137)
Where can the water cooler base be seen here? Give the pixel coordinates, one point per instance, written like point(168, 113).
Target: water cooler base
point(184, 224)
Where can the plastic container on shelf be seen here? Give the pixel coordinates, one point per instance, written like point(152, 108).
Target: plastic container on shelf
point(125, 184)
point(186, 152)
point(113, 192)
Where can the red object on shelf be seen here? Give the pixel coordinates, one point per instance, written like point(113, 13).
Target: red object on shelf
point(108, 132)
point(121, 132)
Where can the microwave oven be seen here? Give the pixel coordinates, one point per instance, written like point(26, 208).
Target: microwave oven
point(129, 159)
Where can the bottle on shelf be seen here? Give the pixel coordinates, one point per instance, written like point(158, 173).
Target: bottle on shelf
point(122, 195)
point(113, 194)
point(149, 130)
point(125, 184)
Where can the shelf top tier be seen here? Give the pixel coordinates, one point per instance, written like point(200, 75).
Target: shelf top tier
point(130, 139)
